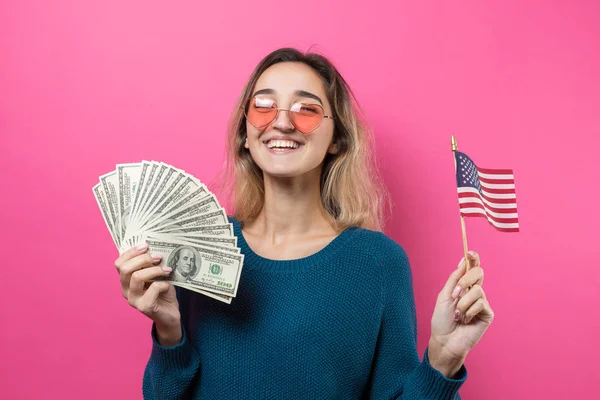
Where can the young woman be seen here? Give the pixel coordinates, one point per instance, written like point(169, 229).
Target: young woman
point(325, 307)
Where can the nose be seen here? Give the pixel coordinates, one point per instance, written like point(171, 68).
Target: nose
point(283, 122)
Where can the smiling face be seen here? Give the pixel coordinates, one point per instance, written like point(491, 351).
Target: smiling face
point(279, 149)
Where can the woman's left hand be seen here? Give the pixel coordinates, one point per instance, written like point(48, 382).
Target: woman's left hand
point(460, 318)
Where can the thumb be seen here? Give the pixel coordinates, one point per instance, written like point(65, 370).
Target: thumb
point(453, 279)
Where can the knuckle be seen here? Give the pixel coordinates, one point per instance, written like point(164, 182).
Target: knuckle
point(486, 305)
point(440, 297)
point(481, 293)
point(122, 259)
point(125, 269)
point(461, 306)
point(124, 283)
point(135, 277)
point(478, 290)
point(144, 308)
point(131, 301)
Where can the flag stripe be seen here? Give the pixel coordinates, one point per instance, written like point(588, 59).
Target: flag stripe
point(492, 206)
point(498, 191)
point(500, 203)
point(498, 198)
point(488, 171)
point(512, 227)
point(489, 195)
point(497, 185)
point(494, 180)
point(499, 212)
point(493, 216)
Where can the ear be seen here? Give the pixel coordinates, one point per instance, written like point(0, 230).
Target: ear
point(246, 145)
point(333, 148)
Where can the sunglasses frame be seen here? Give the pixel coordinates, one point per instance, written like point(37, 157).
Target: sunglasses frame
point(247, 105)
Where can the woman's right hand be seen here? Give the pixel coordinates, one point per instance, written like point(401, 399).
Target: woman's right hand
point(156, 300)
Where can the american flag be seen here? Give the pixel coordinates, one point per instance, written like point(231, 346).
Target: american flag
point(487, 193)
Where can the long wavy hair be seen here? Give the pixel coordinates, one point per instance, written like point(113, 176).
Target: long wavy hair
point(352, 190)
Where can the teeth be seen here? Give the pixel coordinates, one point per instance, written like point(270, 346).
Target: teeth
point(282, 143)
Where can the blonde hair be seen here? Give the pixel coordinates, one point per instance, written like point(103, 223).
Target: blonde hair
point(352, 190)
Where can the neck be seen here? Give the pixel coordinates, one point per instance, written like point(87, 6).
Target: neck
point(292, 208)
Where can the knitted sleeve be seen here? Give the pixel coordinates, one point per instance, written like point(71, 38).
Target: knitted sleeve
point(171, 371)
point(397, 372)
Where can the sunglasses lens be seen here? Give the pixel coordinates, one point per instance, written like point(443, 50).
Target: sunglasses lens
point(261, 112)
point(306, 117)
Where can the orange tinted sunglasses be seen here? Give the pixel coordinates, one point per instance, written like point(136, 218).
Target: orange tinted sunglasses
point(305, 117)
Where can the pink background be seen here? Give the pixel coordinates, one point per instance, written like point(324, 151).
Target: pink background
point(88, 84)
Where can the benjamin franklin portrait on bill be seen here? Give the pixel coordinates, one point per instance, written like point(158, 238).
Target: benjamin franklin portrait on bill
point(184, 261)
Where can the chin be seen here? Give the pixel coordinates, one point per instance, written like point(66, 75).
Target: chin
point(283, 173)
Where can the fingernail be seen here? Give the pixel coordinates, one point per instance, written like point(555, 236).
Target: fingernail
point(142, 247)
point(167, 269)
point(456, 292)
point(156, 256)
point(457, 315)
point(460, 263)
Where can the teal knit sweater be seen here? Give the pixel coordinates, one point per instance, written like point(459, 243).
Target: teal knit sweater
point(339, 324)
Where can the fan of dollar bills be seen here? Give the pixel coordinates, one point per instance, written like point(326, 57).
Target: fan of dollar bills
point(179, 218)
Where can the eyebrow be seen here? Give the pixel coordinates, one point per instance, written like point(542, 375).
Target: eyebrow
point(299, 93)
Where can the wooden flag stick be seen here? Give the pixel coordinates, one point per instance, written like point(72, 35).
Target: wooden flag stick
point(462, 220)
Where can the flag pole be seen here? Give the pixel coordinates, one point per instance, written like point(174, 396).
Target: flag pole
point(462, 220)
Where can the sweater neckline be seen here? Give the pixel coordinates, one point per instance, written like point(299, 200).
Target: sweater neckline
point(256, 261)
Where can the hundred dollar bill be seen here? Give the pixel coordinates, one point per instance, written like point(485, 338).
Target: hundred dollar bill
point(145, 184)
point(225, 242)
point(213, 230)
point(187, 191)
point(201, 206)
point(151, 190)
point(235, 250)
point(194, 196)
point(217, 296)
point(204, 268)
point(218, 217)
point(166, 190)
point(130, 231)
point(129, 176)
point(224, 247)
point(102, 204)
point(220, 297)
point(163, 181)
point(110, 184)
